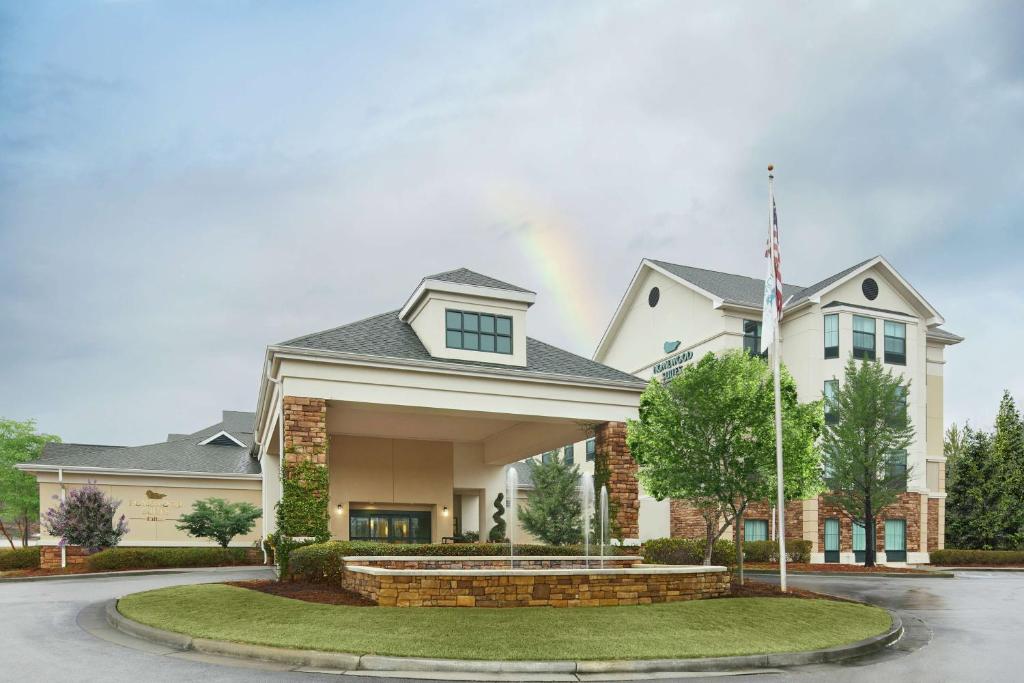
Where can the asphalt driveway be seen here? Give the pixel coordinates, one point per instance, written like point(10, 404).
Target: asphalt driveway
point(966, 629)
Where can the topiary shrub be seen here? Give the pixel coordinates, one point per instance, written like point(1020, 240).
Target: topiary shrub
point(497, 532)
point(19, 558)
point(687, 551)
point(952, 557)
point(116, 559)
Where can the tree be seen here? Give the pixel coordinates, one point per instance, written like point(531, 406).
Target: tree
point(497, 532)
point(220, 520)
point(86, 518)
point(708, 437)
point(553, 510)
point(19, 492)
point(865, 444)
point(954, 443)
point(972, 493)
point(1008, 454)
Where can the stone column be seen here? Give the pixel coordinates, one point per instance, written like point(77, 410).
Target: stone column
point(305, 430)
point(303, 511)
point(612, 456)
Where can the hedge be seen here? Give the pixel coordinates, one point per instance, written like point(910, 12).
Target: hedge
point(19, 558)
point(114, 559)
point(952, 557)
point(797, 550)
point(688, 551)
point(323, 561)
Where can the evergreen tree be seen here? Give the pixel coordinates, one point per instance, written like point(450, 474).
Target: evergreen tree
point(972, 494)
point(864, 447)
point(553, 509)
point(1008, 454)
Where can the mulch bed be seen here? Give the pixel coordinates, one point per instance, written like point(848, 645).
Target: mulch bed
point(836, 568)
point(760, 589)
point(307, 592)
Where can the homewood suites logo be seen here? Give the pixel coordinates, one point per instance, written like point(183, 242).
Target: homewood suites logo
point(672, 366)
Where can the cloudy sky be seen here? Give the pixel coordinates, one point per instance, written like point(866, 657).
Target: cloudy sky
point(183, 183)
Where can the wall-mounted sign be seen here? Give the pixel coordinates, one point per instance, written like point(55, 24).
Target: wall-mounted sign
point(672, 366)
point(670, 346)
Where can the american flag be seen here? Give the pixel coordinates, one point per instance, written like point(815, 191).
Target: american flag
point(772, 312)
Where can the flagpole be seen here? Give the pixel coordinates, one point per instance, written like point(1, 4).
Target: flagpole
point(776, 349)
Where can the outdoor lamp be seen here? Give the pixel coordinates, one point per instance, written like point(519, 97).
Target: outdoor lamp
point(445, 511)
point(341, 509)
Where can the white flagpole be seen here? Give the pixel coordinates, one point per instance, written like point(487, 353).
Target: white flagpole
point(776, 352)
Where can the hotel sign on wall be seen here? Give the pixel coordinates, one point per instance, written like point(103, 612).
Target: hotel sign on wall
point(671, 366)
point(156, 507)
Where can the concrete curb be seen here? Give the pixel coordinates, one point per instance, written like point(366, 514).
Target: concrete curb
point(983, 569)
point(137, 572)
point(350, 662)
point(855, 575)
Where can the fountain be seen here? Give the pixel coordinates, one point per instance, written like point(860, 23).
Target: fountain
point(586, 511)
point(511, 496)
point(604, 521)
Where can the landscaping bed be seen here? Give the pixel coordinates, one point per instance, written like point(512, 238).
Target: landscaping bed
point(699, 628)
point(129, 559)
point(835, 568)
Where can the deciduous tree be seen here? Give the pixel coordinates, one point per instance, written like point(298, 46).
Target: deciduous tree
point(220, 520)
point(19, 492)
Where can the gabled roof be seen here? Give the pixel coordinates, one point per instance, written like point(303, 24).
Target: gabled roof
point(944, 335)
point(808, 292)
point(465, 276)
point(185, 453)
point(387, 337)
point(734, 289)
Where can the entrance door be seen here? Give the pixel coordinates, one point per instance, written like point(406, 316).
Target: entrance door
point(895, 540)
point(832, 540)
point(389, 526)
point(858, 541)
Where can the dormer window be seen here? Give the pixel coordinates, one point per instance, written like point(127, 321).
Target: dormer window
point(478, 331)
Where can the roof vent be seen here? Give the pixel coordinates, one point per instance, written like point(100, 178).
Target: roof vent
point(221, 438)
point(870, 288)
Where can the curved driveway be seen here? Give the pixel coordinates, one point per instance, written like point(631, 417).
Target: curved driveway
point(975, 625)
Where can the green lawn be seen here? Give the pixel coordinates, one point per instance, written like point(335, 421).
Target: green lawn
point(701, 628)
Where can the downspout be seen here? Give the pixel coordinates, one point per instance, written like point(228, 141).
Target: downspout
point(263, 485)
point(63, 496)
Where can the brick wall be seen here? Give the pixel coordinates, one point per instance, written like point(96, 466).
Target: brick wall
point(685, 521)
point(907, 507)
point(305, 429)
point(623, 491)
point(933, 523)
point(49, 556)
point(578, 590)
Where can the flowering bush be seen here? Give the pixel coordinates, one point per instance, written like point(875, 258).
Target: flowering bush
point(86, 518)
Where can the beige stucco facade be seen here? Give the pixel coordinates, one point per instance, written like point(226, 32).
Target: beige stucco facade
point(152, 503)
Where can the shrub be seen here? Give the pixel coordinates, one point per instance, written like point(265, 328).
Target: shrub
point(86, 518)
point(160, 558)
point(497, 532)
point(952, 557)
point(323, 561)
point(19, 558)
point(688, 551)
point(797, 550)
point(217, 519)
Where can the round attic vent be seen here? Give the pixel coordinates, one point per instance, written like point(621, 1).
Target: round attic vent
point(653, 297)
point(870, 288)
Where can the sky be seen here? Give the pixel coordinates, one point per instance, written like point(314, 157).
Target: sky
point(182, 184)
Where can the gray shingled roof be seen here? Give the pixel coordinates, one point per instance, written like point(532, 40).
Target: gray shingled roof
point(808, 292)
point(734, 289)
point(944, 334)
point(465, 276)
point(182, 454)
point(385, 335)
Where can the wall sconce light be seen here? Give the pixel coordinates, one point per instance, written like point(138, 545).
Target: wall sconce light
point(445, 511)
point(341, 509)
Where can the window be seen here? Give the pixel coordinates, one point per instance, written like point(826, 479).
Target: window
point(896, 469)
point(478, 331)
point(548, 457)
point(858, 542)
point(863, 337)
point(567, 455)
point(898, 418)
point(895, 343)
point(591, 450)
point(755, 530)
point(831, 386)
point(752, 338)
point(389, 526)
point(895, 540)
point(832, 336)
point(832, 540)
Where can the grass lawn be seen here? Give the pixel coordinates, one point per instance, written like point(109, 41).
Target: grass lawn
point(700, 628)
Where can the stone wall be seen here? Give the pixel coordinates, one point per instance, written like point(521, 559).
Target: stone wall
point(540, 590)
point(305, 429)
point(933, 523)
point(612, 453)
point(490, 563)
point(49, 556)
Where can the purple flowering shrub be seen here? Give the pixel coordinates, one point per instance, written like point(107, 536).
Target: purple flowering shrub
point(86, 518)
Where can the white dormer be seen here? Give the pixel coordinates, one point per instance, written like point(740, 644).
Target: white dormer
point(463, 315)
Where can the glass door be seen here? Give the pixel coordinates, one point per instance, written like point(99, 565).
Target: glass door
point(895, 540)
point(389, 526)
point(832, 540)
point(858, 541)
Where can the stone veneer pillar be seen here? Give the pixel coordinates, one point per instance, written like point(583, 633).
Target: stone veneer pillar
point(305, 430)
point(612, 454)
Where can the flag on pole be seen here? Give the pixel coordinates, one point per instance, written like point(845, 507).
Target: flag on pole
point(772, 312)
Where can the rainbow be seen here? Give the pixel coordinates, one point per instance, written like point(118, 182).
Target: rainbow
point(549, 241)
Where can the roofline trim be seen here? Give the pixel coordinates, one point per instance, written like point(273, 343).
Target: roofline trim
point(427, 284)
point(453, 369)
point(223, 432)
point(125, 471)
point(948, 341)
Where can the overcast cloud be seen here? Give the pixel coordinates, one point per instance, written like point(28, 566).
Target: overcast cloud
point(183, 184)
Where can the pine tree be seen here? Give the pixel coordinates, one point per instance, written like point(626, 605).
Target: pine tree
point(1008, 454)
point(972, 494)
point(553, 511)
